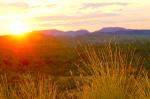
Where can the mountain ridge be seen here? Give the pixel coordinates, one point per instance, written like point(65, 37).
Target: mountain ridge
point(105, 30)
point(83, 32)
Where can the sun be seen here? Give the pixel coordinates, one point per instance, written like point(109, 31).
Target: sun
point(19, 28)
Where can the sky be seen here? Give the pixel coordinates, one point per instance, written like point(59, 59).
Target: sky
point(75, 14)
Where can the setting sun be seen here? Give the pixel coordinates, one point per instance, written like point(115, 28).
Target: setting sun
point(19, 28)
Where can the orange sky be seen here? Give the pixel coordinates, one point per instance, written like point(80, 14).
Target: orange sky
point(74, 14)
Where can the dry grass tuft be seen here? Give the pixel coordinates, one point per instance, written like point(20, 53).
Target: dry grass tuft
point(112, 72)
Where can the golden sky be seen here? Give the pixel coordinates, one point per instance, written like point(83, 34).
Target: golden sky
point(75, 14)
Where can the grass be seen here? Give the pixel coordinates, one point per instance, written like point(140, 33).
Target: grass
point(28, 86)
point(116, 73)
point(109, 72)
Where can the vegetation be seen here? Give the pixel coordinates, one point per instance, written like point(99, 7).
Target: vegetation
point(96, 71)
point(116, 73)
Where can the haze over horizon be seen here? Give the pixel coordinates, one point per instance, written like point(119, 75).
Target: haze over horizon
point(74, 14)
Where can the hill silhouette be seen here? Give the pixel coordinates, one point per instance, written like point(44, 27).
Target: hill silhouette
point(103, 31)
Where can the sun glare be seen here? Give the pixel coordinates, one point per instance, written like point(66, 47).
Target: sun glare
point(19, 28)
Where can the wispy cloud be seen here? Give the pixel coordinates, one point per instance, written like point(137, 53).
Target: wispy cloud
point(138, 20)
point(24, 5)
point(15, 5)
point(75, 14)
point(97, 5)
point(71, 17)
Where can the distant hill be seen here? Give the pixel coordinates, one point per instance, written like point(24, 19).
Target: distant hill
point(63, 33)
point(77, 33)
point(112, 29)
point(121, 31)
point(104, 31)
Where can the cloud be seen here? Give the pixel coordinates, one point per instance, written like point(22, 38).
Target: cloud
point(138, 20)
point(78, 23)
point(24, 5)
point(97, 5)
point(75, 21)
point(15, 5)
point(80, 17)
point(66, 24)
point(51, 5)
